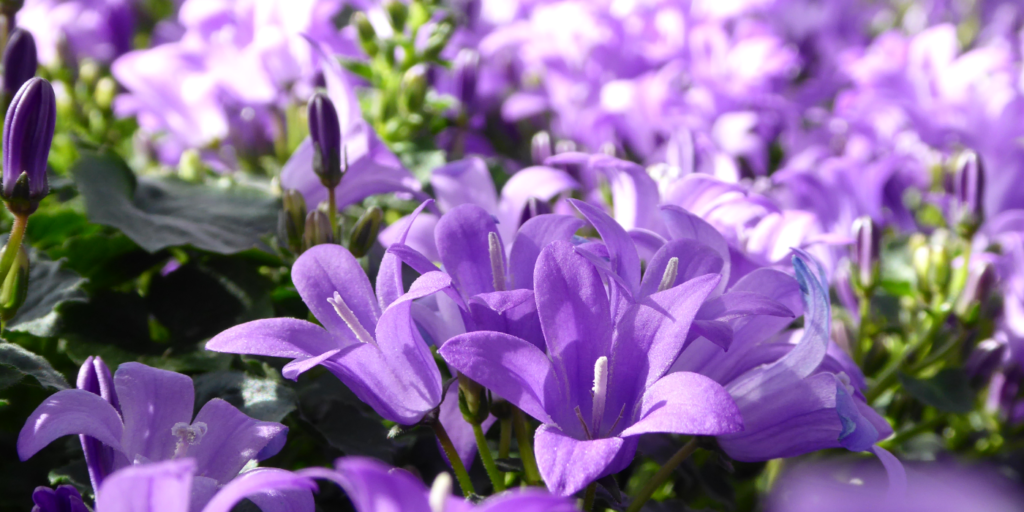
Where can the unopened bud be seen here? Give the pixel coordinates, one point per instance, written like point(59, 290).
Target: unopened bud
point(20, 61)
point(365, 232)
point(414, 87)
point(969, 189)
point(867, 250)
point(398, 13)
point(88, 71)
point(533, 208)
point(325, 132)
point(191, 167)
point(984, 360)
point(367, 35)
point(317, 230)
point(14, 289)
point(921, 260)
point(466, 69)
point(438, 39)
point(106, 89)
point(473, 401)
point(540, 147)
point(28, 133)
point(980, 281)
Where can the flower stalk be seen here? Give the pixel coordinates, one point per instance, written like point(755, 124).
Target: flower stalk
point(662, 475)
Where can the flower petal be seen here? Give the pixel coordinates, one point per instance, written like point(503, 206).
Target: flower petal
point(277, 337)
point(625, 261)
point(67, 412)
point(152, 401)
point(466, 181)
point(694, 259)
point(327, 269)
point(264, 481)
point(462, 242)
point(513, 312)
point(526, 500)
point(687, 403)
point(567, 464)
point(389, 284)
point(511, 368)
point(232, 439)
point(531, 238)
point(162, 486)
point(373, 486)
point(575, 317)
point(682, 224)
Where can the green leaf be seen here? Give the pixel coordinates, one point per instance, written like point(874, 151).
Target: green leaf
point(165, 212)
point(16, 362)
point(336, 413)
point(263, 399)
point(50, 285)
point(949, 390)
point(423, 163)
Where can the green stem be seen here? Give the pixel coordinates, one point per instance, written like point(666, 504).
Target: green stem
point(662, 475)
point(863, 336)
point(531, 473)
point(333, 214)
point(13, 244)
point(589, 496)
point(453, 457)
point(497, 478)
point(505, 445)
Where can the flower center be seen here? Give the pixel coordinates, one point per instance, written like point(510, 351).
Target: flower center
point(350, 319)
point(188, 435)
point(600, 391)
point(668, 279)
point(439, 492)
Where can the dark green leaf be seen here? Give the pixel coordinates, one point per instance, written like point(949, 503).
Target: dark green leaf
point(165, 212)
point(339, 416)
point(15, 361)
point(263, 399)
point(949, 390)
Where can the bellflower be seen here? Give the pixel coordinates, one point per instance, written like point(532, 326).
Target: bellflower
point(147, 417)
point(177, 486)
point(375, 487)
point(19, 61)
point(97, 29)
point(65, 498)
point(598, 383)
point(28, 133)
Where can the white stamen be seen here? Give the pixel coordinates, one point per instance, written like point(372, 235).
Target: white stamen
point(188, 435)
point(600, 391)
point(497, 261)
point(668, 279)
point(440, 492)
point(350, 319)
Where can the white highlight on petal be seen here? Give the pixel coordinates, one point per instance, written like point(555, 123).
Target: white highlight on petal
point(350, 319)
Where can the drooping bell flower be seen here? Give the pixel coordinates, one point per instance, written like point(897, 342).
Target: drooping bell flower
point(19, 61)
point(28, 133)
point(179, 486)
point(65, 498)
point(325, 132)
point(146, 416)
point(598, 383)
point(373, 486)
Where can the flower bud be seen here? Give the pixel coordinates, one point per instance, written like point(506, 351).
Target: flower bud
point(317, 230)
point(533, 208)
point(414, 88)
point(969, 189)
point(191, 167)
point(20, 61)
point(365, 232)
point(325, 132)
point(466, 70)
point(367, 35)
point(866, 250)
point(980, 281)
point(984, 360)
point(106, 89)
point(540, 147)
point(398, 13)
point(28, 133)
point(14, 289)
point(438, 39)
point(64, 498)
point(473, 402)
point(94, 377)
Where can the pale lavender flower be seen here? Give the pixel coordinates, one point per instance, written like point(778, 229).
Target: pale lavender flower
point(100, 30)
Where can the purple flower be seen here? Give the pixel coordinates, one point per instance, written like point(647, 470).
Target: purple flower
point(19, 62)
point(147, 417)
point(65, 498)
point(178, 486)
point(326, 136)
point(373, 347)
point(28, 132)
point(374, 487)
point(599, 383)
point(97, 29)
